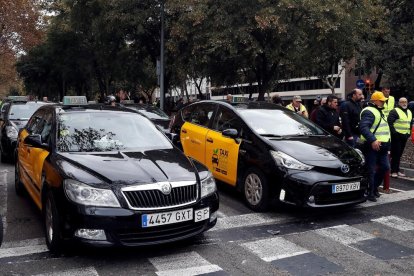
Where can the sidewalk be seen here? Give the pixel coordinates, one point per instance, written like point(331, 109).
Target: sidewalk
point(407, 160)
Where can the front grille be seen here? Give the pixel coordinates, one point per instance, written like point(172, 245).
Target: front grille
point(159, 233)
point(155, 199)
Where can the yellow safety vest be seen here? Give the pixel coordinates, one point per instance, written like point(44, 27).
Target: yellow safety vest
point(402, 124)
point(383, 131)
point(302, 108)
point(388, 105)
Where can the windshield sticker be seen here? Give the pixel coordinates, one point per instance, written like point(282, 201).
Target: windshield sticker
point(219, 160)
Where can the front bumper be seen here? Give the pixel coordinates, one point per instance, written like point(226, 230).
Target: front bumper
point(314, 189)
point(8, 146)
point(123, 226)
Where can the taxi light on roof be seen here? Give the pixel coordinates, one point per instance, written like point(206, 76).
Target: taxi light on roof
point(18, 98)
point(74, 100)
point(239, 99)
point(127, 101)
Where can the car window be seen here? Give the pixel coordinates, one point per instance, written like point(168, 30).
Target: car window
point(226, 119)
point(47, 126)
point(108, 131)
point(23, 111)
point(35, 122)
point(202, 114)
point(279, 122)
point(186, 112)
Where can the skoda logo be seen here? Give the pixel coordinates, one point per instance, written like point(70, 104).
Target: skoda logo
point(166, 188)
point(345, 168)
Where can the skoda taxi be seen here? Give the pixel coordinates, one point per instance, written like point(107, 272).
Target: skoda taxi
point(271, 154)
point(106, 175)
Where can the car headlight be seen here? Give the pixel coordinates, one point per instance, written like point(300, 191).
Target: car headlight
point(86, 195)
point(361, 155)
point(208, 186)
point(11, 132)
point(284, 160)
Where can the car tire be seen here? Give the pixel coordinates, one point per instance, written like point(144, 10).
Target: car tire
point(256, 190)
point(52, 227)
point(18, 185)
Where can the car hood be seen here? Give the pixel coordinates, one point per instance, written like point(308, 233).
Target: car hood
point(317, 151)
point(134, 167)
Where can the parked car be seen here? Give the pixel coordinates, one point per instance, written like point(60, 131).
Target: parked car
point(105, 175)
point(14, 115)
point(155, 114)
point(271, 154)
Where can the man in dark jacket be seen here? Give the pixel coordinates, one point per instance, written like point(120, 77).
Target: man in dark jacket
point(400, 120)
point(328, 117)
point(350, 114)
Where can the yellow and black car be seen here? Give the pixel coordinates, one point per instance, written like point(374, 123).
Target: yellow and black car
point(107, 175)
point(271, 153)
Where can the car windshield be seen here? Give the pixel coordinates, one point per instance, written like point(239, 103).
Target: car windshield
point(108, 131)
point(279, 123)
point(152, 112)
point(23, 111)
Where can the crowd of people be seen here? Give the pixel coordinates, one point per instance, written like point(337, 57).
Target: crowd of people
point(379, 127)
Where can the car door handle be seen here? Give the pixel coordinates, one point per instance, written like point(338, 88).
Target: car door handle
point(184, 131)
point(210, 140)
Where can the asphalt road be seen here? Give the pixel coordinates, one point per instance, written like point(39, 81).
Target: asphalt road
point(370, 239)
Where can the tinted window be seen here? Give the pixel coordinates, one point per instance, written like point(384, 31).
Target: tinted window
point(279, 122)
point(226, 119)
point(23, 111)
point(108, 131)
point(35, 123)
point(199, 114)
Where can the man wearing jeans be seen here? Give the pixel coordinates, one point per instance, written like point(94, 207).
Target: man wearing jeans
point(375, 133)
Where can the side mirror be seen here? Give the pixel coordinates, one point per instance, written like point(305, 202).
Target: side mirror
point(231, 133)
point(35, 141)
point(173, 137)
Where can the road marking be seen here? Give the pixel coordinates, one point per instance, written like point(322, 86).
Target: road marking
point(21, 251)
point(23, 243)
point(245, 220)
point(183, 264)
point(274, 249)
point(389, 198)
point(396, 223)
point(221, 214)
point(3, 193)
point(88, 271)
point(344, 234)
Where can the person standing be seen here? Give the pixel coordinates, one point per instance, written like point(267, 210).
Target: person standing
point(390, 102)
point(350, 114)
point(297, 106)
point(400, 121)
point(328, 116)
point(375, 133)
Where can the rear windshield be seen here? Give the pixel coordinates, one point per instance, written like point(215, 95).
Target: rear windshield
point(23, 111)
point(278, 122)
point(108, 131)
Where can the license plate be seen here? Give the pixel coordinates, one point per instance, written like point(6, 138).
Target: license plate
point(346, 187)
point(201, 214)
point(150, 220)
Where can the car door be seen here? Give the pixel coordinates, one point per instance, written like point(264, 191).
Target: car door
point(222, 152)
point(197, 119)
point(32, 158)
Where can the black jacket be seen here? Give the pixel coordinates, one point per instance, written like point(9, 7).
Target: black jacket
point(392, 117)
point(327, 118)
point(350, 114)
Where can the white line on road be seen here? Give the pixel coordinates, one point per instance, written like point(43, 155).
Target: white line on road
point(396, 223)
point(22, 251)
point(23, 243)
point(87, 271)
point(3, 192)
point(344, 234)
point(183, 264)
point(389, 198)
point(245, 220)
point(275, 249)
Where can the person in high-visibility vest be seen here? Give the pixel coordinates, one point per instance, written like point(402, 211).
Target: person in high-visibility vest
point(297, 106)
point(375, 133)
point(400, 121)
point(390, 102)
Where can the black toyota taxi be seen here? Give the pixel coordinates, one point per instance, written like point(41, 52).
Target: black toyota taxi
point(271, 154)
point(107, 175)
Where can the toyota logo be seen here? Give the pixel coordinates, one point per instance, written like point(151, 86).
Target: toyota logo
point(345, 168)
point(166, 188)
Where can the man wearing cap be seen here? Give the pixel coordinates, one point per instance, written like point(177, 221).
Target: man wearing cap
point(375, 133)
point(298, 107)
point(400, 122)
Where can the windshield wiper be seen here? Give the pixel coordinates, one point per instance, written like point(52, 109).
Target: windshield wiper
point(20, 119)
point(272, 136)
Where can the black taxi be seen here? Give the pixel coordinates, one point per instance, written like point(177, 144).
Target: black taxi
point(271, 154)
point(106, 175)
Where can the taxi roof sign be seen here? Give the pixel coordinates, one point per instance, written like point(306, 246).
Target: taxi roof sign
point(18, 98)
point(239, 99)
point(127, 101)
point(74, 100)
